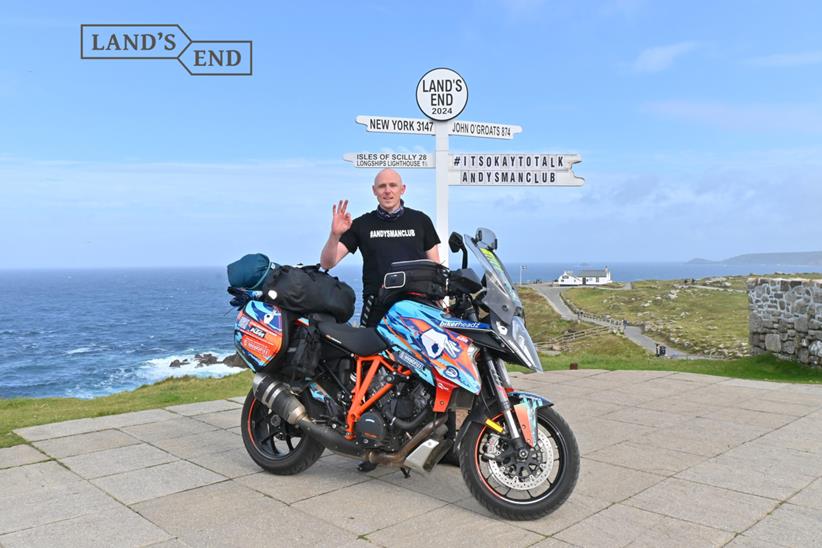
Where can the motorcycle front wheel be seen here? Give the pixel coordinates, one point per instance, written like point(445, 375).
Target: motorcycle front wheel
point(521, 488)
point(273, 444)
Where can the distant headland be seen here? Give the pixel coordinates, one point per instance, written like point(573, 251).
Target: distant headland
point(810, 258)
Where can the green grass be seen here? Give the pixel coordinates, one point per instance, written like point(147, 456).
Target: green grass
point(765, 367)
point(697, 320)
point(615, 352)
point(542, 319)
point(21, 412)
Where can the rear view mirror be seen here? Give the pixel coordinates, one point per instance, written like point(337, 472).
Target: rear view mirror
point(455, 242)
point(486, 237)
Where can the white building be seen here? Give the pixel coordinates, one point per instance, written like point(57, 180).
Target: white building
point(585, 277)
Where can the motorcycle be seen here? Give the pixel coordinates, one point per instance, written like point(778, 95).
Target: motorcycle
point(385, 395)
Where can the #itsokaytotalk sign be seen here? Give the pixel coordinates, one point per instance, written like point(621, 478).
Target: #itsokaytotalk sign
point(514, 169)
point(442, 95)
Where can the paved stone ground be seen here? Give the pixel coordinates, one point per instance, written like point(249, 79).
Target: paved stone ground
point(667, 459)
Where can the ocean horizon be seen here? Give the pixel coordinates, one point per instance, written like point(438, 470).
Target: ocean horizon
point(88, 332)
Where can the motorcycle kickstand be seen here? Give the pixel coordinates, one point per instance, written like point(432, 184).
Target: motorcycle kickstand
point(405, 472)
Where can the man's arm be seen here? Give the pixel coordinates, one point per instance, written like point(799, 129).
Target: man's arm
point(333, 252)
point(433, 253)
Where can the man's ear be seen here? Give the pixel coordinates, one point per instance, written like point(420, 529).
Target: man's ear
point(374, 189)
point(402, 190)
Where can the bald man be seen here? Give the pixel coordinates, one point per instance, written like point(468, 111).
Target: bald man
point(390, 233)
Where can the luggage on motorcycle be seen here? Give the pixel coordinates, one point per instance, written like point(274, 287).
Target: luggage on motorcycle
point(249, 272)
point(303, 353)
point(422, 277)
point(308, 289)
point(261, 335)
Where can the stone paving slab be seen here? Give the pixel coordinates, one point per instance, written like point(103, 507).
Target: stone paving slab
point(170, 429)
point(233, 463)
point(454, 526)
point(222, 419)
point(187, 447)
point(354, 508)
point(621, 525)
point(191, 409)
point(85, 443)
point(669, 459)
point(117, 461)
point(810, 496)
point(20, 455)
point(116, 526)
point(712, 506)
point(157, 481)
point(321, 478)
point(790, 525)
point(82, 426)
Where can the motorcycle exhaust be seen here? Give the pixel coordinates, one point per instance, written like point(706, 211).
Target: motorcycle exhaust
point(278, 397)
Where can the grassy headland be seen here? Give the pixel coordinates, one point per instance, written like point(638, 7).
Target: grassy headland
point(707, 317)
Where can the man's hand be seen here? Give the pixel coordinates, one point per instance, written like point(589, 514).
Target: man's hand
point(340, 218)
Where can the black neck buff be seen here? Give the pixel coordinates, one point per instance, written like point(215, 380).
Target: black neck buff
point(393, 216)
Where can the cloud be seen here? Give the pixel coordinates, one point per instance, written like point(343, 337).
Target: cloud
point(796, 59)
point(661, 57)
point(753, 117)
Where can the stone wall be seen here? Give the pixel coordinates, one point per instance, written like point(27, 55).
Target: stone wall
point(786, 318)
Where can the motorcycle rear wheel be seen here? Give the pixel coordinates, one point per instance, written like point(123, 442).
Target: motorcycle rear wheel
point(273, 444)
point(542, 484)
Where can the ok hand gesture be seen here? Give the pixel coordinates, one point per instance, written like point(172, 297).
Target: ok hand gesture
point(341, 219)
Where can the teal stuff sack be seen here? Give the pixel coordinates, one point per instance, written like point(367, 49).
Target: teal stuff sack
point(249, 272)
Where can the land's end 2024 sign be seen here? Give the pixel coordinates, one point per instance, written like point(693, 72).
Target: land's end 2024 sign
point(442, 95)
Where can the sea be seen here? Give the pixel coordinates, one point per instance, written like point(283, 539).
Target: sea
point(89, 333)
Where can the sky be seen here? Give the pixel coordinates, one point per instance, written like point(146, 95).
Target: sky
point(699, 126)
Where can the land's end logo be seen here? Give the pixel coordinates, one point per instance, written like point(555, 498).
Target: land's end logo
point(198, 57)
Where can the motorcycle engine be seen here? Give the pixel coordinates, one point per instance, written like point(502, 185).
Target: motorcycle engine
point(405, 401)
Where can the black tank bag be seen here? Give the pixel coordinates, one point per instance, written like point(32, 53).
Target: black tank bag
point(422, 277)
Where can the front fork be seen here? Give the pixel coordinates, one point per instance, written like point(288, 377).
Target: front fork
point(497, 372)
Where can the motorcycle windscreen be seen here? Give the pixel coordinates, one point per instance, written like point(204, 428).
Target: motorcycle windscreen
point(420, 343)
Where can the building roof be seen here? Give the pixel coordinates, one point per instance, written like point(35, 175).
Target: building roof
point(593, 273)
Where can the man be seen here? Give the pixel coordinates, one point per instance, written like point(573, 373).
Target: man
point(390, 233)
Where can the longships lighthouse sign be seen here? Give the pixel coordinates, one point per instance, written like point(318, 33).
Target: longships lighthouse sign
point(442, 95)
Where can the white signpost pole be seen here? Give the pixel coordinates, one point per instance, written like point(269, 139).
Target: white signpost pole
point(441, 163)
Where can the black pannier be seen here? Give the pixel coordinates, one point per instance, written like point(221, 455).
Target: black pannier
point(307, 290)
point(422, 277)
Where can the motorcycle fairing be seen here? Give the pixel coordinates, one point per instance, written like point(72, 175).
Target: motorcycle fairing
point(258, 334)
point(526, 413)
point(415, 328)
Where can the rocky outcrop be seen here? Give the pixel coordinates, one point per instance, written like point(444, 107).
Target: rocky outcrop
point(786, 318)
point(207, 358)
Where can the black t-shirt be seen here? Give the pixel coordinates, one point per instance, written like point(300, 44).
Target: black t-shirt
point(381, 243)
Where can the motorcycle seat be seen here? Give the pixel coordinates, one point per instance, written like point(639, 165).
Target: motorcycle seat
point(363, 341)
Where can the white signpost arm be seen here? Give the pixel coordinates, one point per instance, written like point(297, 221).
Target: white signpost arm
point(441, 163)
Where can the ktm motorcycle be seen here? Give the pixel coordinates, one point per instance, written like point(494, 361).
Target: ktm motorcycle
point(385, 394)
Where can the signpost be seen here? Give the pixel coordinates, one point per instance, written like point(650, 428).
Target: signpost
point(442, 95)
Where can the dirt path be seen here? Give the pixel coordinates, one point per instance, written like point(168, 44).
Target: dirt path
point(553, 295)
